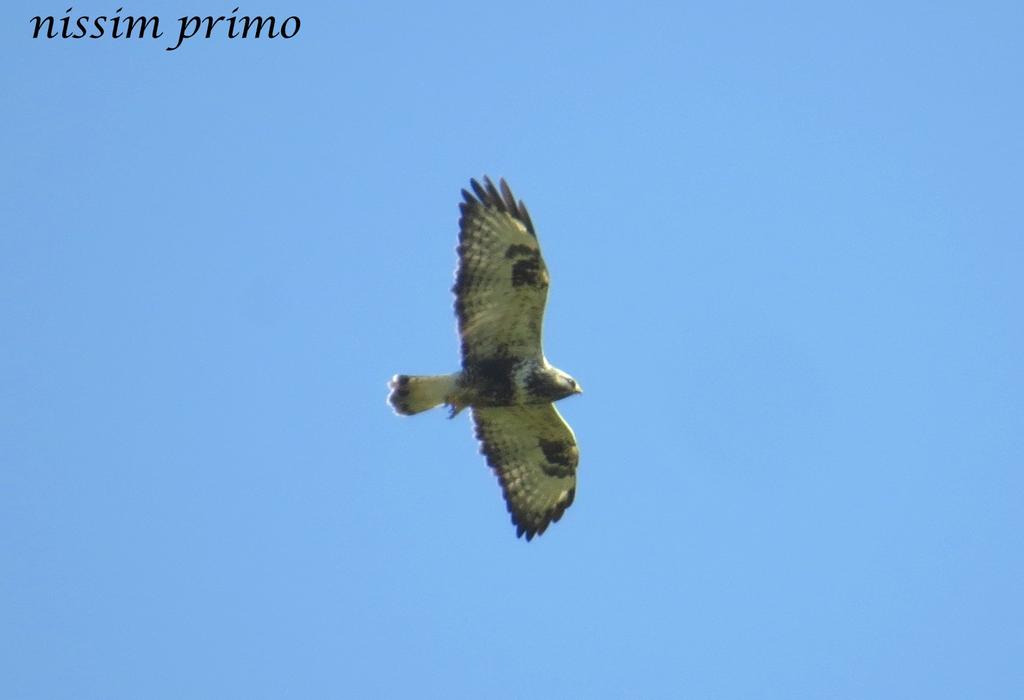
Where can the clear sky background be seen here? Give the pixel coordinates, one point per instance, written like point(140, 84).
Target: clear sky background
point(786, 243)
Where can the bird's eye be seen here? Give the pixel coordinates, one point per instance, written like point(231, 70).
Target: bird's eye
point(572, 383)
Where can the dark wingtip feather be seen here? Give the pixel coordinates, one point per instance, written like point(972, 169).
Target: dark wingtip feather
point(525, 216)
point(493, 196)
point(522, 530)
point(487, 195)
point(481, 193)
point(506, 194)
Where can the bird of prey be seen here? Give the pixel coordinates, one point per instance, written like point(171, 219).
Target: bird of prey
point(501, 286)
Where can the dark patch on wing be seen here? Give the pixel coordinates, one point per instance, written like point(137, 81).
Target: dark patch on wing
point(527, 269)
point(562, 457)
point(527, 272)
point(518, 249)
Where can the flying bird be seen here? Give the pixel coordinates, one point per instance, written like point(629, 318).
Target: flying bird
point(501, 287)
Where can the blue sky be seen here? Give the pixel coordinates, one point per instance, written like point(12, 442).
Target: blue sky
point(786, 247)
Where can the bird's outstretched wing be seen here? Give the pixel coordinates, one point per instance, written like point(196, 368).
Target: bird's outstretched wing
point(533, 451)
point(501, 283)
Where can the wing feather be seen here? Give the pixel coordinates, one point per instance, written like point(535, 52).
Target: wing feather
point(501, 282)
point(534, 454)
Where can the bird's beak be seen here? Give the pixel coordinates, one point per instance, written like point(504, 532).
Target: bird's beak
point(579, 389)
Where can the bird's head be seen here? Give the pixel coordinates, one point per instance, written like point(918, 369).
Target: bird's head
point(576, 388)
point(566, 384)
point(548, 384)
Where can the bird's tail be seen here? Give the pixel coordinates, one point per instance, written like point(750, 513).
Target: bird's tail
point(410, 394)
